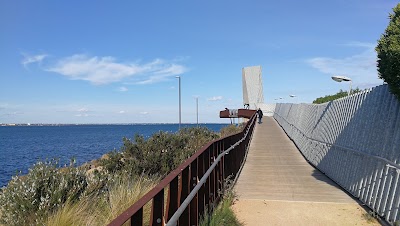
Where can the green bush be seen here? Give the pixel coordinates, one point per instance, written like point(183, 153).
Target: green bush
point(231, 129)
point(113, 161)
point(388, 50)
point(338, 95)
point(159, 154)
point(27, 200)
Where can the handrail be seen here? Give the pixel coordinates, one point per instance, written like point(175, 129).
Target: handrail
point(390, 163)
point(174, 219)
point(184, 179)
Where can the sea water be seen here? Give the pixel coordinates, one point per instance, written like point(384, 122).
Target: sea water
point(23, 146)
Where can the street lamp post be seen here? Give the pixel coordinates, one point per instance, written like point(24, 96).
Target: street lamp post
point(179, 79)
point(338, 78)
point(197, 110)
point(292, 96)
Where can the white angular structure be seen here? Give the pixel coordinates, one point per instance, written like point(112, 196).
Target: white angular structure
point(253, 90)
point(252, 86)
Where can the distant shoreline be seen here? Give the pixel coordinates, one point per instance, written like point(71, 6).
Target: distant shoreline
point(102, 124)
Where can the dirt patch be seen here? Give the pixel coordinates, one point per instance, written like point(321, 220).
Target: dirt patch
point(263, 212)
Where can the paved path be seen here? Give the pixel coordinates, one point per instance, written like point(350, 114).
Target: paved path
point(278, 187)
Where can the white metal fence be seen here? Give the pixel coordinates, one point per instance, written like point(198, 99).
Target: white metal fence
point(355, 141)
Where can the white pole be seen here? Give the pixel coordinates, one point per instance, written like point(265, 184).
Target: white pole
point(179, 79)
point(197, 110)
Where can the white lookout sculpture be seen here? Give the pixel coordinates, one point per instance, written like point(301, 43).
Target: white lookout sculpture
point(253, 94)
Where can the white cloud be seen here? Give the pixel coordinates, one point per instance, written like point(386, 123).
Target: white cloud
point(83, 110)
point(82, 115)
point(105, 70)
point(173, 69)
point(152, 80)
point(360, 67)
point(163, 74)
point(32, 59)
point(121, 112)
point(361, 44)
point(144, 113)
point(216, 98)
point(122, 89)
point(13, 113)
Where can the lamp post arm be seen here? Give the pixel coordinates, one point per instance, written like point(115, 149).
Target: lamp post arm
point(350, 87)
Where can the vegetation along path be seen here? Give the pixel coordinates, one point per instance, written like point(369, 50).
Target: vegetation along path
point(279, 187)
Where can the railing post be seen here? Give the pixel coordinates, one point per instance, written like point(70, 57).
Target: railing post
point(228, 159)
point(200, 172)
point(194, 215)
point(157, 211)
point(185, 190)
point(173, 198)
point(212, 178)
point(222, 169)
point(217, 176)
point(137, 218)
point(207, 165)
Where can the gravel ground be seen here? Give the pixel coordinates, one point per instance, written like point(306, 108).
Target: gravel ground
point(263, 212)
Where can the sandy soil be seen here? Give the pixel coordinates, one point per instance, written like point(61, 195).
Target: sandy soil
point(263, 212)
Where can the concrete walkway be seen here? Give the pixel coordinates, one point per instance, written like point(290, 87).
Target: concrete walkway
point(278, 187)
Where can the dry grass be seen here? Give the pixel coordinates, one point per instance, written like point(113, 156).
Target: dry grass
point(72, 214)
point(124, 194)
point(100, 211)
point(370, 217)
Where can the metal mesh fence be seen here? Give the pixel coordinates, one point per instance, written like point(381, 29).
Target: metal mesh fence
point(355, 141)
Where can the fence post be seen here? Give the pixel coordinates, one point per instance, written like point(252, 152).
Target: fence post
point(157, 211)
point(200, 199)
point(185, 190)
point(172, 202)
point(194, 215)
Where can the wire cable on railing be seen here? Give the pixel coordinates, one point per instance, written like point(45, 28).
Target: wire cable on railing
point(392, 164)
point(174, 219)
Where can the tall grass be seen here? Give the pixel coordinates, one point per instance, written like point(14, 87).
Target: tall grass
point(100, 211)
point(222, 215)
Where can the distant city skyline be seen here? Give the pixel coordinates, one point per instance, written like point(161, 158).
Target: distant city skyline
point(75, 62)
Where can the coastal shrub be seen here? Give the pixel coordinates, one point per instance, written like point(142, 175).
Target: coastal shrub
point(231, 129)
point(98, 182)
point(28, 199)
point(193, 139)
point(113, 161)
point(154, 155)
point(159, 154)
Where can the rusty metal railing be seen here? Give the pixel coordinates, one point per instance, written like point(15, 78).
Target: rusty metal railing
point(181, 182)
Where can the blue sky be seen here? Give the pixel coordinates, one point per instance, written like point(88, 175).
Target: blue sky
point(116, 62)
